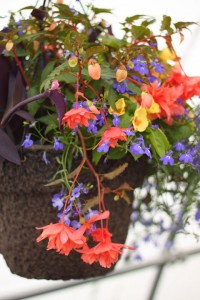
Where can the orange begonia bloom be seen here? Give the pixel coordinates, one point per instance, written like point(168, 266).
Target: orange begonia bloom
point(105, 252)
point(77, 116)
point(190, 85)
point(113, 135)
point(62, 238)
point(166, 97)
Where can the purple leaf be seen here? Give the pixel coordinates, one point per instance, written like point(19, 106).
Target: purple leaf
point(59, 101)
point(25, 115)
point(8, 150)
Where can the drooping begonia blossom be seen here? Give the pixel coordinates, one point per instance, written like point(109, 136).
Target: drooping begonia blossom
point(167, 99)
point(112, 135)
point(62, 238)
point(105, 252)
point(190, 84)
point(78, 117)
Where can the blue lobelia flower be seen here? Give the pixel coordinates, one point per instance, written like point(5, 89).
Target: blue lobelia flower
point(179, 146)
point(57, 144)
point(167, 159)
point(116, 120)
point(186, 158)
point(27, 142)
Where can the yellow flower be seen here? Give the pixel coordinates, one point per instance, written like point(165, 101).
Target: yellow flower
point(167, 54)
point(154, 109)
point(120, 107)
point(140, 121)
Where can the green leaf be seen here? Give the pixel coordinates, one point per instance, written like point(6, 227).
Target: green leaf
point(158, 141)
point(65, 77)
point(46, 83)
point(125, 120)
point(134, 88)
point(116, 153)
point(113, 42)
point(134, 18)
point(47, 70)
point(55, 182)
point(107, 73)
point(96, 156)
point(182, 25)
point(166, 24)
point(73, 41)
point(97, 10)
point(95, 50)
point(140, 32)
point(179, 132)
point(110, 94)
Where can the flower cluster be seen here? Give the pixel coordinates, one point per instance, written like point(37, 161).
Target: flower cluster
point(94, 98)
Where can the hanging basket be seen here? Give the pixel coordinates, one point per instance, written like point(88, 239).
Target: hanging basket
point(25, 203)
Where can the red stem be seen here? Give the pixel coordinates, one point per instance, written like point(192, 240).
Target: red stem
point(18, 62)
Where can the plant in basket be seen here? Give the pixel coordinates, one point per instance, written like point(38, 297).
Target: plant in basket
point(85, 119)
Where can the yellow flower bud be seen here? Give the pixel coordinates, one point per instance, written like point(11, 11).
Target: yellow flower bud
point(9, 45)
point(94, 69)
point(72, 61)
point(121, 74)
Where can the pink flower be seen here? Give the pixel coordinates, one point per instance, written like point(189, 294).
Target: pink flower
point(55, 85)
point(77, 116)
point(62, 238)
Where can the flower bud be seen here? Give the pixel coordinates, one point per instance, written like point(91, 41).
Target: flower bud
point(72, 61)
point(9, 45)
point(121, 74)
point(52, 26)
point(55, 85)
point(94, 69)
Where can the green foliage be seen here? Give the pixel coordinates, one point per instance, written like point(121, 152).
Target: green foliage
point(158, 141)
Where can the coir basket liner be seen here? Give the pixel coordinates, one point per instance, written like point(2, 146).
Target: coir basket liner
point(25, 203)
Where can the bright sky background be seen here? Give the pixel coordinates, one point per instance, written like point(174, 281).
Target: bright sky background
point(134, 286)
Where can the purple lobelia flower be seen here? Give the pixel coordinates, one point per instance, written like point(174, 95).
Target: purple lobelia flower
point(104, 147)
point(27, 142)
point(57, 144)
point(167, 159)
point(136, 149)
point(45, 159)
point(121, 87)
point(58, 200)
point(197, 215)
point(116, 120)
point(179, 146)
point(186, 158)
point(92, 127)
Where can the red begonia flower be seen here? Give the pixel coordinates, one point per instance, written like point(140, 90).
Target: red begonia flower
point(113, 135)
point(190, 85)
point(77, 116)
point(62, 238)
point(105, 252)
point(166, 97)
